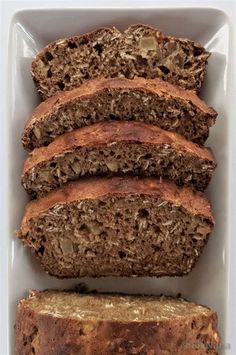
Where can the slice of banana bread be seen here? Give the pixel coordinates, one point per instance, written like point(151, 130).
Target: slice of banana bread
point(151, 101)
point(116, 148)
point(139, 51)
point(53, 322)
point(117, 227)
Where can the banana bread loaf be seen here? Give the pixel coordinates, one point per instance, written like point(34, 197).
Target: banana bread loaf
point(53, 323)
point(151, 101)
point(139, 51)
point(116, 148)
point(117, 227)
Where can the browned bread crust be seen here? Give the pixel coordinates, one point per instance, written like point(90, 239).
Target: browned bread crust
point(106, 52)
point(113, 148)
point(97, 227)
point(151, 101)
point(54, 323)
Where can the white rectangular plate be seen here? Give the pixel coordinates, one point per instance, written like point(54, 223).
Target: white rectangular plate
point(211, 282)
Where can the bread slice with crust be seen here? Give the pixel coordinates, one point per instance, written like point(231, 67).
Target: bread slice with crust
point(115, 148)
point(53, 322)
point(106, 52)
point(151, 101)
point(118, 227)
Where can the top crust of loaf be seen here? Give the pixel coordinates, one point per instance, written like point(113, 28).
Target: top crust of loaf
point(42, 330)
point(158, 308)
point(183, 63)
point(94, 188)
point(104, 133)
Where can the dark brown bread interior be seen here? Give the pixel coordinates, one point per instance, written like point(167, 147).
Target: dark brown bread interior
point(115, 148)
point(118, 227)
point(151, 101)
point(54, 323)
point(140, 51)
